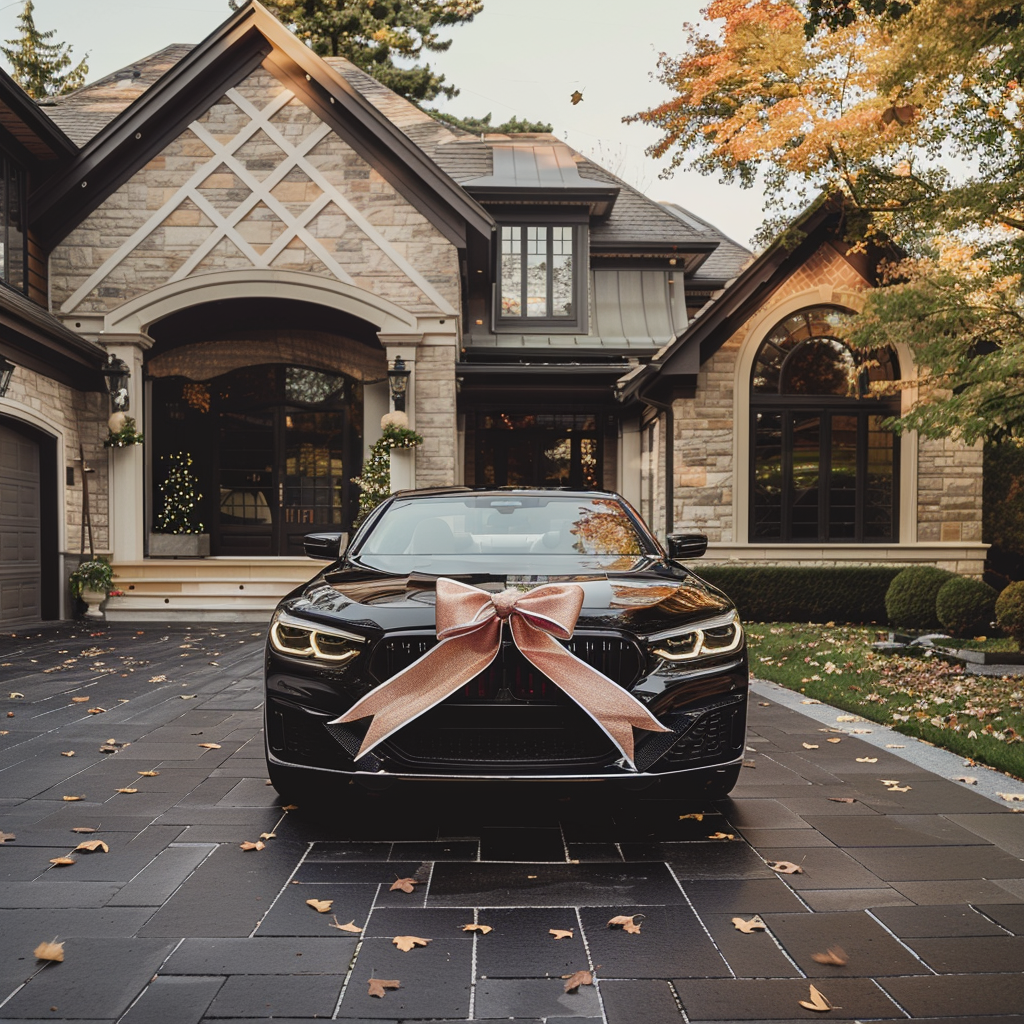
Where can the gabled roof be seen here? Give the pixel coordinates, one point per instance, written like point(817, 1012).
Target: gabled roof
point(725, 263)
point(22, 120)
point(249, 38)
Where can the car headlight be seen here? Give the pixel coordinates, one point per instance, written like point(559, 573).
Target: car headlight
point(716, 636)
point(304, 640)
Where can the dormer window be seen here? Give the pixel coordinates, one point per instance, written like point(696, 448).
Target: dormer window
point(537, 280)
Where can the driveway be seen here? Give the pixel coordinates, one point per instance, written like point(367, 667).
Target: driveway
point(915, 882)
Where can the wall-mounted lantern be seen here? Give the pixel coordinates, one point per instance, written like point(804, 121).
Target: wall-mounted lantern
point(117, 373)
point(6, 372)
point(398, 382)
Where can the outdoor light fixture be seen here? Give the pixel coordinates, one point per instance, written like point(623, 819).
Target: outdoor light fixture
point(398, 382)
point(117, 373)
point(6, 371)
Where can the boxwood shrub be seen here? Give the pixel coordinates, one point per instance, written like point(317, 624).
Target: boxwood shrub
point(804, 593)
point(1010, 611)
point(910, 599)
point(965, 606)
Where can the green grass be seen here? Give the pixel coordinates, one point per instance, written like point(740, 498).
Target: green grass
point(990, 643)
point(978, 717)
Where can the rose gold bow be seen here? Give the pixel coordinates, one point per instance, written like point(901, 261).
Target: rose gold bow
point(469, 623)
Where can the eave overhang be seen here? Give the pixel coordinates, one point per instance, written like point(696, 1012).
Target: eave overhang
point(30, 128)
point(599, 201)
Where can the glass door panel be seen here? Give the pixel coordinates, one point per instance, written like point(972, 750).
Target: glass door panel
point(247, 502)
point(842, 487)
point(769, 483)
point(879, 500)
point(805, 476)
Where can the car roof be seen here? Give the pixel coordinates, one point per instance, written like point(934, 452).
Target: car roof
point(499, 492)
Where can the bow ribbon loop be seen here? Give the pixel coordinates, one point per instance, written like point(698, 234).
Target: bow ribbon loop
point(469, 623)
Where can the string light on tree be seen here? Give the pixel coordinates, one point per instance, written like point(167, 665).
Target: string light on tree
point(181, 496)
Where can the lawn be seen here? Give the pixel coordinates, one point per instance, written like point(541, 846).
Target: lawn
point(979, 717)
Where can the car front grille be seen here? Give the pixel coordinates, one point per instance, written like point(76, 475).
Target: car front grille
point(510, 677)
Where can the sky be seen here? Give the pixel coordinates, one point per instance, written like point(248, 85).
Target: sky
point(521, 57)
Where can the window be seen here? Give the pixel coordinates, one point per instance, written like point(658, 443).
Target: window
point(12, 232)
point(823, 469)
point(538, 273)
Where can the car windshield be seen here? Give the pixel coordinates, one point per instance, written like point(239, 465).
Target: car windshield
point(523, 532)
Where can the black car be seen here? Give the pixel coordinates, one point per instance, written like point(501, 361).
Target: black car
point(362, 635)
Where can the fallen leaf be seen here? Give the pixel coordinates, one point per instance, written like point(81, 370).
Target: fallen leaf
point(61, 862)
point(289, 807)
point(10, 714)
point(96, 711)
point(843, 799)
point(867, 760)
point(188, 696)
point(1010, 797)
point(268, 835)
point(833, 955)
point(252, 846)
point(818, 1002)
point(108, 749)
point(6, 837)
point(67, 753)
point(350, 927)
point(860, 731)
point(127, 789)
point(158, 679)
point(79, 700)
point(763, 704)
point(83, 830)
point(70, 798)
point(847, 718)
point(834, 739)
point(49, 951)
point(755, 924)
point(889, 782)
point(482, 928)
point(573, 981)
point(968, 779)
point(378, 985)
point(560, 933)
point(210, 746)
point(810, 701)
point(785, 867)
point(899, 789)
point(92, 845)
point(696, 817)
point(406, 942)
point(895, 746)
point(749, 764)
point(17, 696)
point(150, 775)
point(627, 924)
point(320, 906)
point(810, 746)
point(405, 884)
point(721, 835)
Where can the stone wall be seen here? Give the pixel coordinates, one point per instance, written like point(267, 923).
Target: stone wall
point(435, 411)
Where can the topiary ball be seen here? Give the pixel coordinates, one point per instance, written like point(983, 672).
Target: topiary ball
point(965, 606)
point(1010, 611)
point(910, 599)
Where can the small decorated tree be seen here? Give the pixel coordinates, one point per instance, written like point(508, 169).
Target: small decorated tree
point(375, 482)
point(181, 497)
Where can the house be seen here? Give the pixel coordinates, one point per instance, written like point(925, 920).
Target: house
point(240, 238)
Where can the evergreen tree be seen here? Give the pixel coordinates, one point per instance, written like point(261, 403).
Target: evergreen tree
point(40, 67)
point(181, 497)
point(482, 125)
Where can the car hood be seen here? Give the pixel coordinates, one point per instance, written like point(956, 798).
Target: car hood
point(648, 596)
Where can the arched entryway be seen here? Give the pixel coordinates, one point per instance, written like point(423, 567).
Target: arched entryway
point(267, 398)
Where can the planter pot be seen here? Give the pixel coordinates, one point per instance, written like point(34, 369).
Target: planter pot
point(93, 599)
point(179, 545)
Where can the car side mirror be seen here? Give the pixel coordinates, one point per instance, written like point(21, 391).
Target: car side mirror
point(326, 546)
point(683, 546)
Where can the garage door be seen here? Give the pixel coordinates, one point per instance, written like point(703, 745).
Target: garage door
point(20, 569)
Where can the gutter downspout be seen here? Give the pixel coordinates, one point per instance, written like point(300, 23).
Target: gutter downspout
point(670, 441)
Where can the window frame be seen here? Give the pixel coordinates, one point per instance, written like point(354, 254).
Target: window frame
point(10, 167)
point(523, 324)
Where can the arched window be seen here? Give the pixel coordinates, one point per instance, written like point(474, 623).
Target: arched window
point(822, 467)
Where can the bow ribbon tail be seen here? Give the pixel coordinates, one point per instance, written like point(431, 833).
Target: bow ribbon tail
point(425, 683)
point(614, 709)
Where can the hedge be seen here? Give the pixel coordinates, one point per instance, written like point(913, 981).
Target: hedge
point(804, 594)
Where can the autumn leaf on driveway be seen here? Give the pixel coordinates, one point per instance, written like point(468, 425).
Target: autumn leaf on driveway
point(843, 799)
point(483, 929)
point(573, 981)
point(321, 906)
point(127, 789)
point(722, 835)
point(150, 775)
point(561, 933)
point(785, 867)
point(67, 753)
point(867, 760)
point(68, 799)
point(252, 846)
point(969, 780)
point(834, 739)
point(833, 955)
point(97, 711)
point(626, 923)
point(755, 924)
point(350, 927)
point(817, 1002)
point(210, 746)
point(49, 951)
point(79, 700)
point(61, 862)
point(696, 817)
point(809, 746)
point(289, 807)
point(378, 985)
point(83, 829)
point(1011, 797)
point(404, 885)
point(6, 837)
point(407, 942)
point(92, 845)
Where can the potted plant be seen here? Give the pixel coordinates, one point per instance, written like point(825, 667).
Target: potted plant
point(179, 532)
point(91, 582)
point(122, 431)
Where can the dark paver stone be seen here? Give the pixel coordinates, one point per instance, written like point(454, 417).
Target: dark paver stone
point(356, 871)
point(290, 915)
point(761, 814)
point(652, 1002)
point(1004, 829)
point(933, 922)
point(174, 1001)
point(1010, 916)
point(510, 885)
point(957, 995)
point(498, 998)
point(275, 996)
point(824, 869)
point(344, 852)
point(525, 844)
point(520, 946)
point(791, 837)
point(740, 999)
point(934, 864)
point(52, 893)
point(262, 956)
point(155, 883)
point(714, 860)
point(441, 849)
point(742, 896)
point(884, 831)
point(752, 955)
point(671, 943)
point(387, 922)
point(852, 899)
point(957, 890)
point(974, 955)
